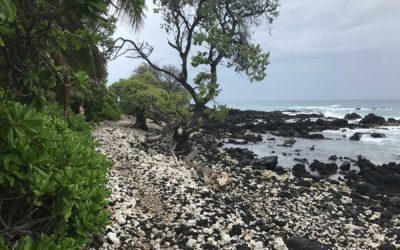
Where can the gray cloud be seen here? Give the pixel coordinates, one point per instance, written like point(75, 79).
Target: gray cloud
point(335, 49)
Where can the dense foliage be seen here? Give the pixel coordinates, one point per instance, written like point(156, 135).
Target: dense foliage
point(98, 102)
point(47, 48)
point(51, 181)
point(53, 57)
point(48, 43)
point(144, 95)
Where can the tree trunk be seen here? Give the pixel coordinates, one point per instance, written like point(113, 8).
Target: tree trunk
point(141, 121)
point(182, 139)
point(182, 142)
point(63, 93)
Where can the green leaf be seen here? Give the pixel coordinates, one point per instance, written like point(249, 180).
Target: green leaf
point(25, 244)
point(10, 136)
point(8, 11)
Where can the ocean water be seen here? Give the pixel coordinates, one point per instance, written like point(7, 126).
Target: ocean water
point(378, 150)
point(334, 108)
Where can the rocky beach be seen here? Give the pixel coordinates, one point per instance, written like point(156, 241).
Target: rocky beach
point(158, 202)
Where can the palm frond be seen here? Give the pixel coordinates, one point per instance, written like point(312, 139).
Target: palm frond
point(89, 60)
point(131, 10)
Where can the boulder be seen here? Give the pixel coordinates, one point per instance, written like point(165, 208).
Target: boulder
point(345, 166)
point(330, 168)
point(372, 119)
point(386, 177)
point(303, 243)
point(333, 158)
point(240, 153)
point(299, 170)
point(394, 201)
point(280, 170)
point(352, 178)
point(363, 163)
point(324, 169)
point(393, 122)
point(367, 189)
point(352, 116)
point(356, 136)
point(268, 162)
point(316, 136)
point(340, 123)
point(377, 135)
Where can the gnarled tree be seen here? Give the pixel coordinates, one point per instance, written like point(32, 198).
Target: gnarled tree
point(143, 96)
point(216, 32)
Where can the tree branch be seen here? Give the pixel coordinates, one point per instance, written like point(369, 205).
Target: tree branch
point(145, 56)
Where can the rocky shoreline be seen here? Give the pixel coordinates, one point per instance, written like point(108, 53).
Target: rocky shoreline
point(157, 204)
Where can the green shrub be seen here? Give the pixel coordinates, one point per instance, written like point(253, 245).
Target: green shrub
point(75, 122)
point(52, 182)
point(107, 109)
point(99, 103)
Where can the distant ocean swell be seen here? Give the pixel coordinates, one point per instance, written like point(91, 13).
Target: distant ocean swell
point(385, 108)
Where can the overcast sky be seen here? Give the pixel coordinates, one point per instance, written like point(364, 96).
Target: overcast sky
point(320, 50)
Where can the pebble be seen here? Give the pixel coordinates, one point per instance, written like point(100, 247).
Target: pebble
point(226, 238)
point(113, 238)
point(279, 244)
point(191, 243)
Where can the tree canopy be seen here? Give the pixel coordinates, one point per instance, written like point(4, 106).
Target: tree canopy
point(205, 35)
point(144, 95)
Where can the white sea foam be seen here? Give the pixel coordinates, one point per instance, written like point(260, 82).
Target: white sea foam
point(378, 150)
point(387, 109)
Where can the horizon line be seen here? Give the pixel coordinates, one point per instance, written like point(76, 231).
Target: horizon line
point(294, 100)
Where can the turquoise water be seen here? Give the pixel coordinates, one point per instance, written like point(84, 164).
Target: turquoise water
point(334, 108)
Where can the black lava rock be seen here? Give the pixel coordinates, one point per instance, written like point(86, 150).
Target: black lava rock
point(299, 170)
point(393, 122)
point(324, 169)
point(236, 230)
point(367, 189)
point(352, 116)
point(333, 158)
point(386, 177)
point(387, 246)
point(268, 162)
point(377, 135)
point(316, 136)
point(352, 178)
point(363, 163)
point(356, 136)
point(372, 119)
point(302, 243)
point(345, 166)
